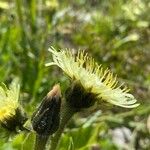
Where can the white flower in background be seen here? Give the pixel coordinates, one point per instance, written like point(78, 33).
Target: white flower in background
point(93, 77)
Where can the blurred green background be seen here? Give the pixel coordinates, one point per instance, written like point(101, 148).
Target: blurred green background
point(115, 32)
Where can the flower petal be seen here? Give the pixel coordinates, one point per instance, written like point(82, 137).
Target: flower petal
point(92, 76)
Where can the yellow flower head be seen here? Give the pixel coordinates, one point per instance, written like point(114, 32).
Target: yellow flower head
point(93, 77)
point(8, 101)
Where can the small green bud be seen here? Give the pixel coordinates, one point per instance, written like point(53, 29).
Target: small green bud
point(45, 120)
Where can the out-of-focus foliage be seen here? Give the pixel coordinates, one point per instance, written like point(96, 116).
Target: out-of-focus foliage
point(116, 33)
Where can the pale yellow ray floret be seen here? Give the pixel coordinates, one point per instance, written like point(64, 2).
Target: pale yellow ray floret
point(8, 101)
point(92, 76)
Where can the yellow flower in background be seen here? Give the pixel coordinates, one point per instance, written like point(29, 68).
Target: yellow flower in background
point(8, 101)
point(92, 77)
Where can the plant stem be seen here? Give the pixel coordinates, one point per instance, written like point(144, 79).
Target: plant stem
point(67, 113)
point(40, 142)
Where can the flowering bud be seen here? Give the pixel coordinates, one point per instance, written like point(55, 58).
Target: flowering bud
point(92, 78)
point(11, 113)
point(45, 120)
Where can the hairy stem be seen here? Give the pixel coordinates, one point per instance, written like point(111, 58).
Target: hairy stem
point(40, 142)
point(66, 115)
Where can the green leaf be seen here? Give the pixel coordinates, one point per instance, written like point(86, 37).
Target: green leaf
point(28, 143)
point(17, 141)
point(80, 138)
point(71, 145)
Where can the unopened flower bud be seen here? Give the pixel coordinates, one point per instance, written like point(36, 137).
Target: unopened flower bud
point(45, 120)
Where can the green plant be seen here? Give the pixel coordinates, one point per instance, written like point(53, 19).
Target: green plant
point(89, 84)
point(115, 33)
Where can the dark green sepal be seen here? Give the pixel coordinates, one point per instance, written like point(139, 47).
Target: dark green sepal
point(16, 121)
point(77, 97)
